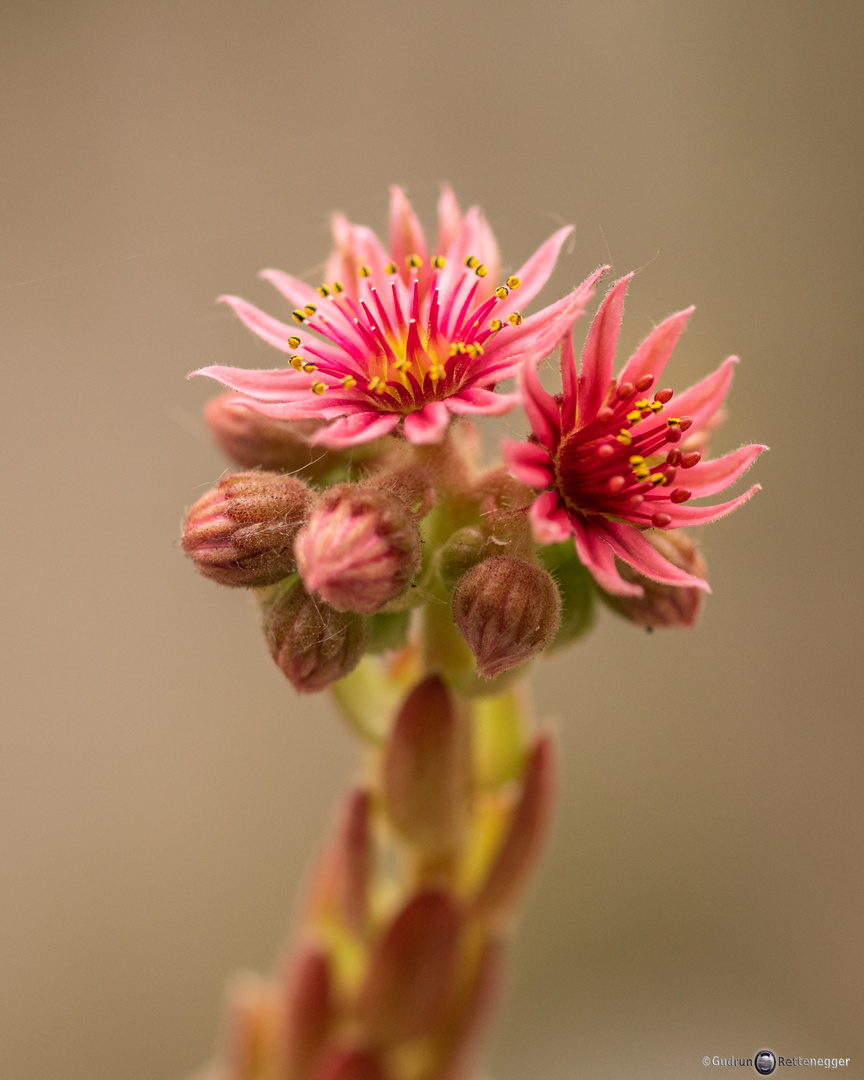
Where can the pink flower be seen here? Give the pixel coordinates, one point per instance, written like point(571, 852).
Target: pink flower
point(611, 461)
point(406, 334)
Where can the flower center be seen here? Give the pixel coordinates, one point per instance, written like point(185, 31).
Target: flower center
point(621, 464)
point(402, 343)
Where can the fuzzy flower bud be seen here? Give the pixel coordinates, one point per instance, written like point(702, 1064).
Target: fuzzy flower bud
point(663, 605)
point(313, 644)
point(257, 441)
point(507, 610)
point(360, 548)
point(242, 532)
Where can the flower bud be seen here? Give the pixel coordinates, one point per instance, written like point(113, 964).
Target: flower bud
point(426, 769)
point(662, 605)
point(348, 1063)
point(260, 442)
point(411, 969)
point(360, 548)
point(242, 532)
point(507, 610)
point(313, 644)
point(308, 1009)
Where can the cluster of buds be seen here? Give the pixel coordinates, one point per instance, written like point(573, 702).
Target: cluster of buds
point(388, 981)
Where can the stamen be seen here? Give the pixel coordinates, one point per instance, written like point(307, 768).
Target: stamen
point(294, 342)
point(661, 520)
point(605, 450)
point(617, 484)
point(495, 325)
point(414, 262)
point(338, 287)
point(664, 396)
point(391, 268)
point(364, 270)
point(309, 368)
point(309, 310)
point(481, 270)
point(680, 495)
point(323, 291)
point(439, 262)
point(513, 282)
point(515, 319)
point(624, 437)
point(471, 261)
point(502, 292)
point(643, 383)
point(625, 390)
point(298, 316)
point(318, 388)
point(658, 478)
point(349, 382)
point(634, 416)
point(296, 362)
point(689, 460)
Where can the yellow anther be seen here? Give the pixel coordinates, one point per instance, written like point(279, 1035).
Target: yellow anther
point(296, 362)
point(656, 406)
point(481, 270)
point(309, 368)
point(636, 459)
point(674, 421)
point(634, 416)
point(298, 316)
point(515, 319)
point(402, 364)
point(502, 292)
point(642, 473)
point(435, 373)
point(294, 342)
point(364, 271)
point(349, 382)
point(318, 388)
point(309, 310)
point(391, 268)
point(414, 261)
point(338, 286)
point(479, 349)
point(514, 282)
point(658, 478)
point(471, 350)
point(439, 262)
point(323, 290)
point(624, 437)
point(496, 324)
point(471, 261)
point(643, 404)
point(376, 385)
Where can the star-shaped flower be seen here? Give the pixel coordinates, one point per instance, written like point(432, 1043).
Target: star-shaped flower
point(405, 336)
point(612, 461)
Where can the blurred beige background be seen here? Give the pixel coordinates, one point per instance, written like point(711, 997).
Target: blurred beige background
point(162, 788)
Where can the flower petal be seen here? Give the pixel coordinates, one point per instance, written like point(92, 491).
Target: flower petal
point(540, 408)
point(534, 274)
point(343, 261)
point(704, 399)
point(709, 477)
point(595, 553)
point(652, 355)
point(271, 330)
point(569, 383)
point(276, 384)
point(629, 544)
point(359, 428)
point(449, 219)
point(477, 400)
point(428, 424)
point(549, 521)
point(297, 291)
point(598, 356)
point(406, 236)
point(528, 462)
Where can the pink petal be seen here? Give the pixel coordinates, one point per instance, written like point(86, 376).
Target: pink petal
point(359, 428)
point(487, 249)
point(709, 477)
point(534, 274)
point(540, 408)
point(342, 262)
point(406, 235)
point(651, 356)
point(701, 515)
point(277, 384)
point(475, 399)
point(629, 544)
point(704, 399)
point(271, 330)
point(599, 354)
point(569, 383)
point(549, 521)
point(596, 554)
point(297, 291)
point(528, 462)
point(449, 219)
point(428, 424)
point(369, 250)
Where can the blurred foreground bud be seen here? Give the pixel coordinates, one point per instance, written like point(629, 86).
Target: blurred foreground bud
point(411, 970)
point(663, 605)
point(348, 1063)
point(313, 644)
point(524, 839)
point(360, 548)
point(426, 772)
point(507, 610)
point(308, 1007)
point(242, 532)
point(257, 441)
